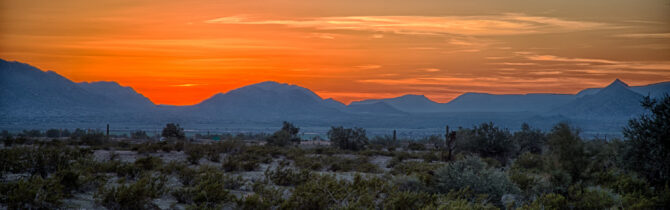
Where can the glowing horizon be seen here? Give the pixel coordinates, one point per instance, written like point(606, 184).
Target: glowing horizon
point(181, 53)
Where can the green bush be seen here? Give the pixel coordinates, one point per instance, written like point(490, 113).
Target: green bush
point(409, 183)
point(473, 173)
point(194, 153)
point(409, 200)
point(325, 192)
point(208, 190)
point(488, 141)
point(137, 195)
point(283, 175)
point(149, 163)
point(244, 161)
point(593, 198)
point(33, 193)
point(285, 136)
point(348, 138)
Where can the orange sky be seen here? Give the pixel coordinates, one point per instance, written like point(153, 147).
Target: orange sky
point(181, 52)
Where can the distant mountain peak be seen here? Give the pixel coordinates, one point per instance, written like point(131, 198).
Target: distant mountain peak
point(618, 82)
point(270, 84)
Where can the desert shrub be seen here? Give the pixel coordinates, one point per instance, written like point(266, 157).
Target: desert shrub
point(473, 173)
point(213, 155)
point(548, 201)
point(324, 192)
point(348, 138)
point(313, 163)
point(423, 171)
point(42, 160)
point(122, 169)
point(187, 175)
point(137, 195)
point(253, 202)
point(284, 175)
point(173, 131)
point(231, 163)
point(488, 141)
point(244, 161)
point(358, 164)
point(398, 157)
point(69, 180)
point(208, 190)
point(593, 198)
point(287, 135)
point(228, 146)
point(530, 184)
point(194, 153)
point(409, 200)
point(32, 193)
point(409, 183)
point(430, 157)
point(416, 146)
point(385, 141)
point(529, 161)
point(149, 163)
point(264, 197)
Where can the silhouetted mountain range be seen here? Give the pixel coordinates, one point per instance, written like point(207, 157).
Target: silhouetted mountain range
point(35, 98)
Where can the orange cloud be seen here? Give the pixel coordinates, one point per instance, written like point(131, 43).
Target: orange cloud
point(506, 24)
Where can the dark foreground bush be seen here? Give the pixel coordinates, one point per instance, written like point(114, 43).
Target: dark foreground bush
point(208, 190)
point(137, 195)
point(474, 174)
point(33, 193)
point(283, 175)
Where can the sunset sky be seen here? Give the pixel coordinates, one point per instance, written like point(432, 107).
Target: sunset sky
point(182, 52)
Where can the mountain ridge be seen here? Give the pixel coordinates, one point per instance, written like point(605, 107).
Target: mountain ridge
point(32, 96)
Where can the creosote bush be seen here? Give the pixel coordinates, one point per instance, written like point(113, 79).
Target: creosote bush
point(137, 195)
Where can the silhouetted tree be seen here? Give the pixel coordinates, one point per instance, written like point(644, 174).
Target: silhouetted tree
point(288, 134)
point(529, 140)
point(348, 138)
point(647, 148)
point(487, 140)
point(172, 130)
point(567, 148)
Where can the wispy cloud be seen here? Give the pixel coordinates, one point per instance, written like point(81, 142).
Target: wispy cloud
point(504, 24)
point(371, 66)
point(646, 36)
point(564, 59)
point(431, 69)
